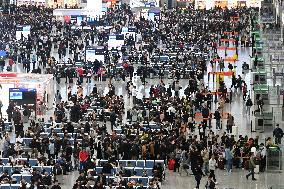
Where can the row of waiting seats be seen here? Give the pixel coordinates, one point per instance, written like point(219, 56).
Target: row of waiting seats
point(19, 177)
point(139, 171)
point(32, 162)
point(10, 186)
point(11, 169)
point(135, 163)
point(115, 187)
point(27, 141)
point(151, 127)
point(136, 179)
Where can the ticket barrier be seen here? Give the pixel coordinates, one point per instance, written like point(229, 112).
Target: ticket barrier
point(259, 77)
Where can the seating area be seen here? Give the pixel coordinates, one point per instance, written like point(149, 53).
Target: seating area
point(21, 174)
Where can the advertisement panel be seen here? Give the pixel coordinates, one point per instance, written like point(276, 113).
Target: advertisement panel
point(115, 41)
point(95, 53)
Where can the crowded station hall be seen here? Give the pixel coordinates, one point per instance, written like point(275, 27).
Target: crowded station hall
point(167, 94)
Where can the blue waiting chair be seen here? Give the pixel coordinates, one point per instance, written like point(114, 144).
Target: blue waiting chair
point(5, 160)
point(5, 186)
point(148, 171)
point(133, 179)
point(27, 141)
point(123, 163)
point(149, 163)
point(140, 163)
point(160, 162)
point(99, 169)
point(18, 177)
point(145, 180)
point(58, 130)
point(47, 169)
point(114, 171)
point(131, 163)
point(39, 168)
point(33, 162)
point(23, 159)
point(27, 178)
point(102, 162)
point(139, 171)
point(8, 168)
point(15, 186)
point(61, 135)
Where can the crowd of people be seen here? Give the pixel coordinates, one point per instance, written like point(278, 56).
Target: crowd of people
point(183, 127)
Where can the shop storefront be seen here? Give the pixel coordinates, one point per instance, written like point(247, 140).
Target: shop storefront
point(221, 4)
point(184, 3)
point(107, 4)
point(62, 3)
point(42, 84)
point(52, 3)
point(208, 4)
point(30, 2)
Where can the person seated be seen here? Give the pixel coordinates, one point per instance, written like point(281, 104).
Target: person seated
point(82, 178)
point(5, 177)
point(55, 185)
point(107, 168)
point(46, 179)
point(16, 171)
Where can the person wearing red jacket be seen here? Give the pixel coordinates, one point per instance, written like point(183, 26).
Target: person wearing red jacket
point(83, 157)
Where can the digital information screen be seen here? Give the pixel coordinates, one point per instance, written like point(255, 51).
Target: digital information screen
point(126, 31)
point(152, 16)
point(16, 95)
point(23, 96)
point(115, 41)
point(22, 29)
point(95, 53)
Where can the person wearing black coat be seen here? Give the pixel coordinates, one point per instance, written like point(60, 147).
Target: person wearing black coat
point(197, 172)
point(107, 168)
point(112, 119)
point(46, 179)
point(101, 179)
point(95, 89)
point(56, 185)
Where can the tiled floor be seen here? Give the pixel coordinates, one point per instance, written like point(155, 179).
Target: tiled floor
point(236, 179)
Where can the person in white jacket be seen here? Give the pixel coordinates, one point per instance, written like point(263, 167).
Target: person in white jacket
point(212, 167)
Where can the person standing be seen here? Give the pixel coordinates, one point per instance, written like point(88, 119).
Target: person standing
point(113, 117)
point(83, 157)
point(210, 184)
point(229, 159)
point(134, 94)
point(251, 166)
point(57, 97)
point(1, 105)
point(51, 150)
point(217, 116)
point(197, 172)
point(212, 168)
point(205, 157)
point(248, 105)
point(278, 134)
point(230, 123)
